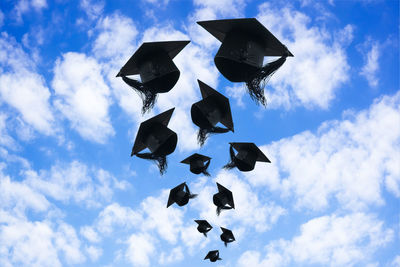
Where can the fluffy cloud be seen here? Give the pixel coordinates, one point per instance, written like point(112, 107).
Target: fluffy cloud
point(369, 70)
point(351, 160)
point(329, 240)
point(38, 243)
point(24, 6)
point(74, 182)
point(140, 248)
point(319, 66)
point(93, 9)
point(18, 78)
point(82, 96)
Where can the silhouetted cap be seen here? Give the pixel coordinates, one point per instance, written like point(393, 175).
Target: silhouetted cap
point(157, 137)
point(180, 195)
point(214, 108)
point(245, 159)
point(198, 163)
point(158, 73)
point(227, 236)
point(213, 256)
point(245, 42)
point(223, 199)
point(203, 226)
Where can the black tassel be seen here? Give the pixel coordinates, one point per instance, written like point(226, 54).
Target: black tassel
point(205, 172)
point(205, 234)
point(145, 93)
point(226, 244)
point(192, 196)
point(231, 164)
point(204, 133)
point(256, 83)
point(161, 160)
point(219, 210)
point(219, 259)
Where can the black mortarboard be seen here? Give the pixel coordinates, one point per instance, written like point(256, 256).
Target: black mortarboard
point(180, 195)
point(208, 112)
point(227, 236)
point(245, 159)
point(245, 42)
point(203, 226)
point(158, 73)
point(223, 199)
point(198, 163)
point(213, 256)
point(157, 137)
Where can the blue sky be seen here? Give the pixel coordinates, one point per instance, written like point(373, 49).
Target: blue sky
point(71, 195)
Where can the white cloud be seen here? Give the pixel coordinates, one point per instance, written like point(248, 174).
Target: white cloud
point(371, 67)
point(115, 39)
point(319, 66)
point(74, 182)
point(396, 261)
point(5, 138)
point(38, 243)
point(328, 240)
point(114, 216)
point(90, 234)
point(94, 252)
point(140, 249)
point(172, 256)
point(93, 9)
point(82, 96)
point(25, 6)
point(18, 78)
point(350, 160)
point(17, 197)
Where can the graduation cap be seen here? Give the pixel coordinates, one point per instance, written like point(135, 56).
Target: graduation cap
point(180, 195)
point(158, 73)
point(213, 256)
point(203, 226)
point(223, 199)
point(245, 159)
point(214, 108)
point(227, 236)
point(157, 137)
point(198, 163)
point(245, 42)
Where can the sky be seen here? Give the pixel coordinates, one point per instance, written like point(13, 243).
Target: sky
point(71, 195)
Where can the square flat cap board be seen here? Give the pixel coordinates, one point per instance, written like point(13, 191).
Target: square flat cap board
point(141, 136)
point(172, 48)
point(195, 156)
point(206, 91)
point(219, 29)
point(172, 193)
point(227, 193)
point(251, 147)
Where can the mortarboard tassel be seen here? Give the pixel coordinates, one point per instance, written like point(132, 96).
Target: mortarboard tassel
point(205, 234)
point(148, 98)
point(226, 244)
point(161, 160)
point(204, 133)
point(205, 172)
point(231, 164)
point(256, 83)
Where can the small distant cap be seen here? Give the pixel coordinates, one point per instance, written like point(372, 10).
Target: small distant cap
point(195, 157)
